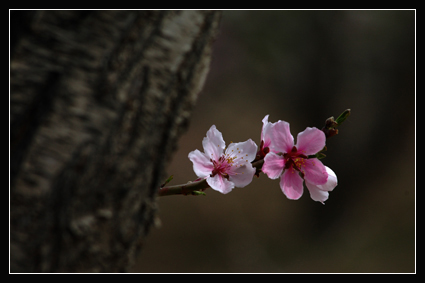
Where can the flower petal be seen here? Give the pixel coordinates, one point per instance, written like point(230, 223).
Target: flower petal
point(332, 181)
point(243, 151)
point(311, 141)
point(213, 143)
point(242, 175)
point(291, 184)
point(220, 184)
point(266, 131)
point(314, 171)
point(273, 165)
point(201, 164)
point(321, 192)
point(317, 194)
point(282, 140)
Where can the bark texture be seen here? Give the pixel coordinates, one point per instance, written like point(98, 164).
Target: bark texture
point(98, 100)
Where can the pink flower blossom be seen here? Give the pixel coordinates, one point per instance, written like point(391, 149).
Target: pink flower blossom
point(291, 163)
point(224, 168)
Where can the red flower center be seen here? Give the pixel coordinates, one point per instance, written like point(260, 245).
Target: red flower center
point(295, 160)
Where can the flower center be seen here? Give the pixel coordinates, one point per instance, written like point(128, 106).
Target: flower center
point(225, 162)
point(295, 160)
point(223, 165)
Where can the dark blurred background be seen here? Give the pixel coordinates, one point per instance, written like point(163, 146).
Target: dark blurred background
point(302, 67)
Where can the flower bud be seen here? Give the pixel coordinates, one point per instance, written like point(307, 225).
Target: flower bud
point(330, 128)
point(343, 117)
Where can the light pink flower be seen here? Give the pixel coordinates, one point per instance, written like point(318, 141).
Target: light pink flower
point(224, 168)
point(291, 163)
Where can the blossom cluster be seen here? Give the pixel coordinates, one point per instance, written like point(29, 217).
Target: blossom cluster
point(225, 168)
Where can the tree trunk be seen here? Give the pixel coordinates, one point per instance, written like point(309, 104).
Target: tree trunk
point(98, 100)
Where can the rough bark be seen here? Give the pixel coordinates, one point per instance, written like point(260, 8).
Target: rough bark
point(98, 100)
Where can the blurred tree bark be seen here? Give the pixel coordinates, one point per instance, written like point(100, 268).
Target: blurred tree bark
point(98, 100)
